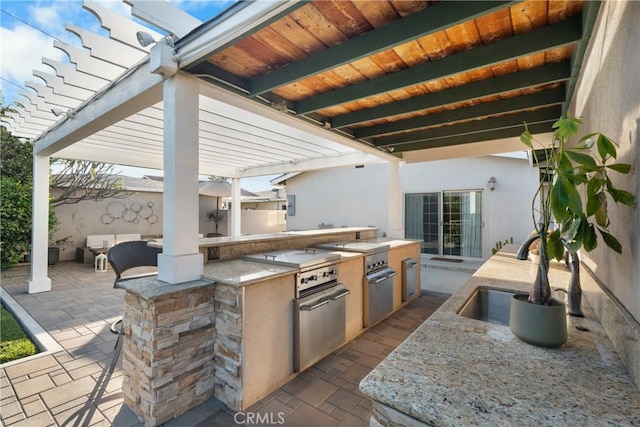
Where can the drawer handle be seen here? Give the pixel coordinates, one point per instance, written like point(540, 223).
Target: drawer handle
point(341, 295)
point(313, 307)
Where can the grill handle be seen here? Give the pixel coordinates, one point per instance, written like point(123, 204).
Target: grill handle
point(382, 279)
point(342, 294)
point(313, 307)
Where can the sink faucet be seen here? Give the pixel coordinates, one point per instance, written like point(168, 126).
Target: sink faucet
point(574, 294)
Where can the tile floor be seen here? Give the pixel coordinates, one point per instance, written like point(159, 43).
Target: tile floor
point(72, 387)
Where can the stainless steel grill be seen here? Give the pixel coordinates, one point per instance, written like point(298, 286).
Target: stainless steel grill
point(377, 280)
point(319, 303)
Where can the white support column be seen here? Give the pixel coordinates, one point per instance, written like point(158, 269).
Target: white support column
point(180, 260)
point(395, 201)
point(236, 214)
point(39, 280)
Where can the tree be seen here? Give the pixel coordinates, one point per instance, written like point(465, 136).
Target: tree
point(83, 180)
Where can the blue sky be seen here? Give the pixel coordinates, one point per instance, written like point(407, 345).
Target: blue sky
point(29, 28)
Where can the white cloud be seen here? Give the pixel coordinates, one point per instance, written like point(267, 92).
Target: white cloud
point(47, 18)
point(22, 52)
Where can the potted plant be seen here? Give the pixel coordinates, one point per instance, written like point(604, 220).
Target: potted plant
point(558, 206)
point(55, 246)
point(216, 216)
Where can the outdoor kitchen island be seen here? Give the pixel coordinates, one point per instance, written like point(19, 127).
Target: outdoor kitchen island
point(455, 370)
point(231, 334)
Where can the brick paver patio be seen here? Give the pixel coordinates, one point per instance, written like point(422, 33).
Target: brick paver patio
point(73, 387)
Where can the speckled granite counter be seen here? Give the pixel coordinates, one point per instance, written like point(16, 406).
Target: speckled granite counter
point(227, 247)
point(241, 273)
point(458, 371)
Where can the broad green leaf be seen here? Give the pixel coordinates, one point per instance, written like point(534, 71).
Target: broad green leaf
point(585, 138)
point(620, 167)
point(526, 138)
point(564, 165)
point(584, 159)
point(563, 196)
point(601, 215)
point(593, 203)
point(572, 232)
point(622, 196)
point(611, 241)
point(555, 248)
point(605, 146)
point(589, 239)
point(594, 185)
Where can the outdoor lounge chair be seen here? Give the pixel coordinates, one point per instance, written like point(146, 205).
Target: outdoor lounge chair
point(122, 257)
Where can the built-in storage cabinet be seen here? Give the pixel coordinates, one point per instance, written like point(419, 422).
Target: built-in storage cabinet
point(267, 341)
point(350, 273)
point(396, 255)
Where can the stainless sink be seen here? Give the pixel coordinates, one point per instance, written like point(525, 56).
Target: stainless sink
point(489, 305)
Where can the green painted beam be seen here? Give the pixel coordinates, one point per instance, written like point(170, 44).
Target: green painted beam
point(508, 105)
point(589, 15)
point(549, 37)
point(512, 120)
point(428, 21)
point(550, 73)
point(488, 135)
point(213, 73)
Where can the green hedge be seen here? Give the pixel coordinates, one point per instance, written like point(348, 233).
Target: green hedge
point(15, 221)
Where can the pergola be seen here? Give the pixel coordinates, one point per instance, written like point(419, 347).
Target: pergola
point(288, 86)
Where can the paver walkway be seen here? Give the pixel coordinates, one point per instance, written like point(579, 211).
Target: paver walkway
point(73, 388)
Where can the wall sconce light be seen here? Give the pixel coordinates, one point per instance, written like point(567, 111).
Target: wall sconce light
point(58, 112)
point(492, 183)
point(144, 38)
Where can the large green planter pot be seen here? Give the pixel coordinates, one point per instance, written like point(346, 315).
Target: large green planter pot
point(539, 325)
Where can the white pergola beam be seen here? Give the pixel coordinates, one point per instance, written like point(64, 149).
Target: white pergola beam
point(350, 159)
point(163, 14)
point(136, 90)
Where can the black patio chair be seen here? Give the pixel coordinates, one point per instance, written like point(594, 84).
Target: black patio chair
point(123, 257)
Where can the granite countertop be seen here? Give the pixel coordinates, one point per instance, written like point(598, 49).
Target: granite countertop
point(453, 370)
point(240, 272)
point(394, 243)
point(254, 238)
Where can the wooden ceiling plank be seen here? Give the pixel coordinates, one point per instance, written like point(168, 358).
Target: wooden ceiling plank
point(344, 15)
point(552, 36)
point(378, 13)
point(312, 20)
point(508, 105)
point(527, 78)
point(488, 135)
point(512, 120)
point(428, 21)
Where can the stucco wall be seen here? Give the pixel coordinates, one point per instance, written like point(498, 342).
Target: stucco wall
point(341, 196)
point(349, 196)
point(88, 217)
point(608, 100)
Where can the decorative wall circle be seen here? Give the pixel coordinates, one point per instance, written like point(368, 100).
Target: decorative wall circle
point(116, 209)
point(145, 212)
point(129, 215)
point(133, 213)
point(106, 219)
